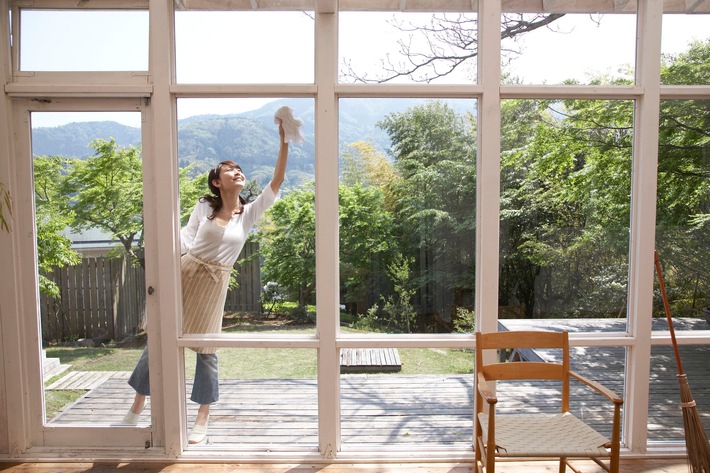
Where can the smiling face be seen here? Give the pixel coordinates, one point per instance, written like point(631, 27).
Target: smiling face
point(231, 174)
point(226, 176)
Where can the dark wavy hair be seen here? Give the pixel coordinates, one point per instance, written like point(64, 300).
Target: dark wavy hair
point(215, 198)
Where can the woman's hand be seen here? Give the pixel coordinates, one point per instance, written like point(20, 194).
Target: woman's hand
point(280, 168)
point(282, 133)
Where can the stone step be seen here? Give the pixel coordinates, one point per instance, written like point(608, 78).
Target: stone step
point(52, 367)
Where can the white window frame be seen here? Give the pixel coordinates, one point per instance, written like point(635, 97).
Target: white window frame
point(26, 91)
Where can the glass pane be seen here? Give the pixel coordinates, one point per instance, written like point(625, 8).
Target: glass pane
point(685, 46)
point(565, 186)
point(272, 284)
point(92, 287)
point(425, 401)
point(581, 49)
point(407, 213)
point(84, 40)
point(665, 414)
point(244, 47)
point(408, 47)
point(683, 206)
point(267, 398)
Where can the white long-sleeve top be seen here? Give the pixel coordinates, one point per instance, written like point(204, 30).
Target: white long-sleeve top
point(212, 242)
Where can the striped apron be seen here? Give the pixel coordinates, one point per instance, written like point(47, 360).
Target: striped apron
point(204, 290)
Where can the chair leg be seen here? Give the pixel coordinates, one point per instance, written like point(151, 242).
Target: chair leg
point(563, 465)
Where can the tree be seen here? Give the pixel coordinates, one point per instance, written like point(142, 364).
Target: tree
point(565, 202)
point(106, 192)
point(683, 210)
point(367, 244)
point(287, 243)
point(434, 154)
point(51, 217)
point(445, 44)
point(565, 209)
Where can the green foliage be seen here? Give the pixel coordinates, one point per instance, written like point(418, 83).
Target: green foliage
point(683, 210)
point(301, 315)
point(106, 192)
point(435, 193)
point(371, 321)
point(287, 244)
point(51, 217)
point(399, 305)
point(566, 175)
point(190, 192)
point(465, 320)
point(287, 240)
point(564, 197)
point(688, 68)
point(397, 313)
point(366, 240)
point(271, 295)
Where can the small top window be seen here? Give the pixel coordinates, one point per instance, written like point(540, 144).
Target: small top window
point(84, 40)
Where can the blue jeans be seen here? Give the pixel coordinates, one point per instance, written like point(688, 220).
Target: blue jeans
point(205, 389)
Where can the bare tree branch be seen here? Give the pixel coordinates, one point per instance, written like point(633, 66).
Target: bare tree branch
point(445, 44)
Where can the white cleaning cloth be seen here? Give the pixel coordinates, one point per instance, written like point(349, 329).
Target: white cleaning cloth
point(292, 126)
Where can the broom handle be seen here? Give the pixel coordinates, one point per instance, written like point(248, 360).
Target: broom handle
point(667, 307)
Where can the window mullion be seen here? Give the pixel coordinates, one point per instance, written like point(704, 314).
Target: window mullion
point(327, 264)
point(643, 221)
point(488, 166)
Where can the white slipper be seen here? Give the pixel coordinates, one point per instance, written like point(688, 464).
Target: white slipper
point(131, 418)
point(198, 433)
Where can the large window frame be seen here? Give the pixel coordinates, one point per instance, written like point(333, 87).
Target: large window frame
point(29, 90)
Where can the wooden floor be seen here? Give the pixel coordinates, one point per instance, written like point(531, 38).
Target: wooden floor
point(627, 466)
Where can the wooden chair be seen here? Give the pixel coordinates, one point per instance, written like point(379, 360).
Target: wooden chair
point(534, 435)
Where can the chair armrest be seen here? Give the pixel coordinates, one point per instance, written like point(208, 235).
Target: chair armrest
point(485, 390)
point(604, 391)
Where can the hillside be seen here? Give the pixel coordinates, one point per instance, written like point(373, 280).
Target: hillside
point(248, 138)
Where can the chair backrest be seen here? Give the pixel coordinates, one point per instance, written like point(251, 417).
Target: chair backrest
point(525, 370)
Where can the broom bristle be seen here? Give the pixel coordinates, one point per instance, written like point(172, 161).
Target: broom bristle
point(696, 440)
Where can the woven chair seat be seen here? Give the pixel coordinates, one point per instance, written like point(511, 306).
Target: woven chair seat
point(545, 435)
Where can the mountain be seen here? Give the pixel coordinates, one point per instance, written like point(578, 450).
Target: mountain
point(72, 140)
point(248, 138)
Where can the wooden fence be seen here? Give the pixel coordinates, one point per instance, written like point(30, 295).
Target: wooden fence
point(104, 298)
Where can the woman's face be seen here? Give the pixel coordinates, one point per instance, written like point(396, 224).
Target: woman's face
point(230, 177)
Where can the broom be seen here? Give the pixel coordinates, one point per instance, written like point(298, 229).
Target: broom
point(696, 440)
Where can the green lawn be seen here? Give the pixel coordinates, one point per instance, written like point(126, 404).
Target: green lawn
point(262, 362)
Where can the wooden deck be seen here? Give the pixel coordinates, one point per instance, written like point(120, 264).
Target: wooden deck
point(434, 410)
point(392, 409)
point(376, 409)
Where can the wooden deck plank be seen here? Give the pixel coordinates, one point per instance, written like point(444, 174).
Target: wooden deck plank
point(86, 380)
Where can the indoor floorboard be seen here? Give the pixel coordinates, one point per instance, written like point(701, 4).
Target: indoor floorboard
point(627, 466)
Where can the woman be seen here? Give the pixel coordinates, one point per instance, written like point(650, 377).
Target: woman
point(210, 243)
